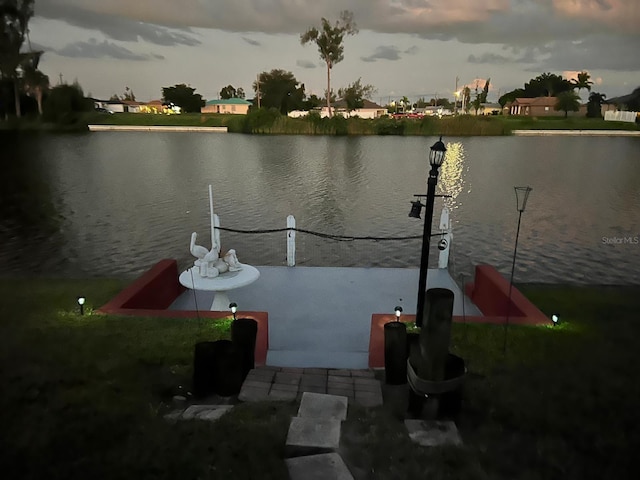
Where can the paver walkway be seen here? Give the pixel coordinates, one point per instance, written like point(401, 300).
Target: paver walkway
point(284, 383)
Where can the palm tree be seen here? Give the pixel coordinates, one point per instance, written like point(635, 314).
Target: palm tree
point(568, 102)
point(329, 42)
point(582, 81)
point(594, 106)
point(14, 18)
point(35, 83)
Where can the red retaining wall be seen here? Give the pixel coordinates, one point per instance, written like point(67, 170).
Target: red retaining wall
point(152, 293)
point(489, 292)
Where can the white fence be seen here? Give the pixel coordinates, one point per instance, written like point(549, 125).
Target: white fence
point(620, 116)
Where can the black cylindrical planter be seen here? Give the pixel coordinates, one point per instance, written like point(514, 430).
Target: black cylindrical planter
point(203, 362)
point(227, 369)
point(395, 353)
point(243, 336)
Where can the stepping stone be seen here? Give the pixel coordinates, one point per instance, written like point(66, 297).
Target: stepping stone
point(319, 405)
point(308, 436)
point(199, 412)
point(174, 415)
point(326, 466)
point(214, 414)
point(433, 433)
point(205, 412)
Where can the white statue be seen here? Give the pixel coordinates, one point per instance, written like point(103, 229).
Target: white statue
point(231, 259)
point(208, 262)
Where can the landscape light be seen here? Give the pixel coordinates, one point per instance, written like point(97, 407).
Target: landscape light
point(234, 308)
point(555, 319)
point(81, 301)
point(398, 313)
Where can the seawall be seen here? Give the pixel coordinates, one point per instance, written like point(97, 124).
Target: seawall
point(154, 128)
point(584, 133)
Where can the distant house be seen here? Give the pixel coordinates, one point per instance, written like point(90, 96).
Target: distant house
point(132, 106)
point(237, 106)
point(114, 106)
point(540, 107)
point(368, 110)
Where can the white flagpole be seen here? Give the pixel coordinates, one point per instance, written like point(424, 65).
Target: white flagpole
point(213, 237)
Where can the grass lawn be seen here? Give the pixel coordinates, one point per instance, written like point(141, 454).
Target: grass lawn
point(83, 397)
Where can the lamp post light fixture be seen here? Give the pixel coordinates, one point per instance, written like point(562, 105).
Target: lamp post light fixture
point(522, 195)
point(81, 301)
point(398, 311)
point(436, 158)
point(234, 308)
point(555, 319)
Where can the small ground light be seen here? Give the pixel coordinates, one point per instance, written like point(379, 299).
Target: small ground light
point(398, 313)
point(234, 308)
point(555, 319)
point(81, 301)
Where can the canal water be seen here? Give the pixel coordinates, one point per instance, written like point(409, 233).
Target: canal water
point(111, 204)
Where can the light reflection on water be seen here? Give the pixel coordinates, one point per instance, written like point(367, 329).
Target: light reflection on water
point(111, 204)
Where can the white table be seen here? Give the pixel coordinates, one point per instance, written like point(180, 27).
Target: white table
point(221, 284)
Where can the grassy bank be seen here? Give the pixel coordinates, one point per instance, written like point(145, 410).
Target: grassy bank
point(271, 122)
point(83, 395)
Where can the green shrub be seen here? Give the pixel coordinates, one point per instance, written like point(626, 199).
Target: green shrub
point(338, 124)
point(261, 120)
point(390, 126)
point(65, 105)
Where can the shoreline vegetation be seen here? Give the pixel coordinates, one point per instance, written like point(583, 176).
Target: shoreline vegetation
point(84, 396)
point(273, 123)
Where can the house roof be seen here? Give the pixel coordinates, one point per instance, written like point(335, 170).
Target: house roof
point(537, 101)
point(229, 101)
point(367, 105)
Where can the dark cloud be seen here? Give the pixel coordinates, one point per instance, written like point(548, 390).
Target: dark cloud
point(305, 64)
point(383, 52)
point(251, 41)
point(519, 23)
point(604, 4)
point(117, 27)
point(95, 49)
point(597, 52)
point(411, 50)
point(528, 55)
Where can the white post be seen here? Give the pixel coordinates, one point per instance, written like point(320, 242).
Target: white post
point(211, 215)
point(445, 226)
point(216, 233)
point(291, 242)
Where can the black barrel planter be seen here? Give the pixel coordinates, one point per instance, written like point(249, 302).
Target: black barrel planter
point(243, 336)
point(227, 369)
point(395, 353)
point(203, 363)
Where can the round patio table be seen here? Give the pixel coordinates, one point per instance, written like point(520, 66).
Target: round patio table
point(221, 284)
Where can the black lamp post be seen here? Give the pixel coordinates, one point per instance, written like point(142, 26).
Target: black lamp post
point(522, 194)
point(436, 157)
point(234, 308)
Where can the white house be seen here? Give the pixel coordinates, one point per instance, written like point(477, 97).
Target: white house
point(368, 110)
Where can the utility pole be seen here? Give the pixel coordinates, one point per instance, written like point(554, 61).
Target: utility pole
point(455, 98)
point(60, 77)
point(258, 89)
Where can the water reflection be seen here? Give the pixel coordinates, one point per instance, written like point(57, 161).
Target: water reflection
point(451, 171)
point(114, 203)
